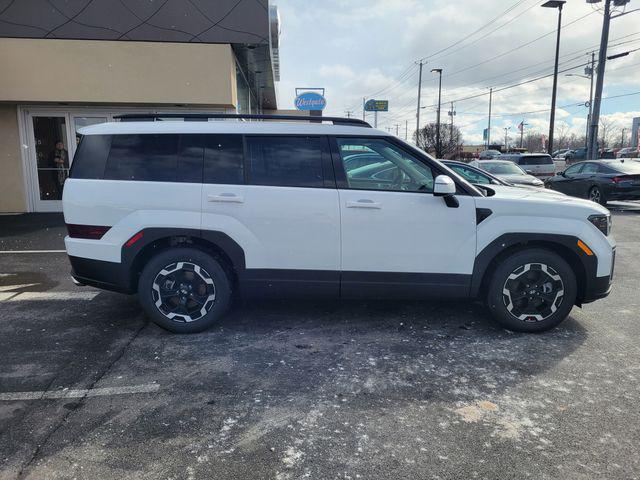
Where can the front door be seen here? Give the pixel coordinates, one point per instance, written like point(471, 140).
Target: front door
point(398, 239)
point(50, 159)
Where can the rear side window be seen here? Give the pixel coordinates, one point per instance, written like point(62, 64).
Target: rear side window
point(285, 161)
point(155, 158)
point(223, 159)
point(91, 157)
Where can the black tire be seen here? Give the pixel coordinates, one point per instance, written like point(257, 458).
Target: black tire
point(191, 279)
point(596, 195)
point(548, 300)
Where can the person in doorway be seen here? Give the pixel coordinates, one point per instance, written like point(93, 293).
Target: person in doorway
point(60, 163)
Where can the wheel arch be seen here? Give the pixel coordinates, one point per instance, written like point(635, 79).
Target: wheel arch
point(155, 240)
point(564, 245)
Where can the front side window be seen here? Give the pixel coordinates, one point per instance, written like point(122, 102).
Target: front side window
point(574, 169)
point(285, 161)
point(589, 169)
point(155, 158)
point(377, 164)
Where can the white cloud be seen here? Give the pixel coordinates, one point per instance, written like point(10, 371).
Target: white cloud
point(355, 48)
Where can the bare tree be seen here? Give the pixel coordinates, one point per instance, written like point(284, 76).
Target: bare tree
point(607, 130)
point(450, 139)
point(562, 135)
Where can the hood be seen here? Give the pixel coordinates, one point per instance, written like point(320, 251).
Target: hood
point(521, 179)
point(525, 189)
point(542, 201)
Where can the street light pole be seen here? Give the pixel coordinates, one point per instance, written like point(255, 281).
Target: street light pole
point(554, 4)
point(489, 124)
point(439, 72)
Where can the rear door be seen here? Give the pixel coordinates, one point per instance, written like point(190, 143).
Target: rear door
point(275, 196)
point(398, 239)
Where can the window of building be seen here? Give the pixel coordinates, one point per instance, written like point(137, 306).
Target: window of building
point(285, 161)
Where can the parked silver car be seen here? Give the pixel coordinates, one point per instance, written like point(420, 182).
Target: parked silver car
point(508, 171)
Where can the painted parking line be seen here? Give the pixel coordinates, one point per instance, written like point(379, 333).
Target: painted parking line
point(38, 296)
point(31, 251)
point(79, 393)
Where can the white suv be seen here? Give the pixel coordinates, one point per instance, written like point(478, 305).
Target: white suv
point(188, 214)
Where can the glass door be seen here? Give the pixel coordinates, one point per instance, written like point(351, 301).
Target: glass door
point(50, 159)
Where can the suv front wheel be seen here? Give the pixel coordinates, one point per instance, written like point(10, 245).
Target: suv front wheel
point(532, 290)
point(184, 290)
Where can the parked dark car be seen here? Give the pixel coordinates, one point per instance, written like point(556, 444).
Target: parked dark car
point(599, 180)
point(489, 154)
point(576, 155)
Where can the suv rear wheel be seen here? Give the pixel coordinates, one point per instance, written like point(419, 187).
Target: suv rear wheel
point(184, 290)
point(532, 290)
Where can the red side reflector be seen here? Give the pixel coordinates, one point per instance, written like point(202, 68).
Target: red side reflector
point(90, 232)
point(134, 239)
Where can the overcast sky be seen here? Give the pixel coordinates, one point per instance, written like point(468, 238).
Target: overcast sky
point(368, 48)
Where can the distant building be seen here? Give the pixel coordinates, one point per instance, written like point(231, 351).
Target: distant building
point(635, 132)
point(66, 65)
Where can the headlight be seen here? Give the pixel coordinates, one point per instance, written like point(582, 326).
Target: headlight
point(602, 223)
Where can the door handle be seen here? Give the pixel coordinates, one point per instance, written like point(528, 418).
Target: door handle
point(364, 203)
point(226, 198)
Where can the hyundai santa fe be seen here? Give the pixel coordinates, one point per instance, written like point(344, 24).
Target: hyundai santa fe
point(190, 214)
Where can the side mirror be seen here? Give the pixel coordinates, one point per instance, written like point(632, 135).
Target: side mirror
point(560, 173)
point(445, 187)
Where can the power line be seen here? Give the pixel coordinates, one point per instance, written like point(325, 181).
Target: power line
point(512, 7)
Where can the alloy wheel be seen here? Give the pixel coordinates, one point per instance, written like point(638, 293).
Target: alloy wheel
point(183, 291)
point(595, 195)
point(533, 292)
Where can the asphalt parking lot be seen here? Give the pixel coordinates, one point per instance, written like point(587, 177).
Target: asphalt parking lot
point(289, 390)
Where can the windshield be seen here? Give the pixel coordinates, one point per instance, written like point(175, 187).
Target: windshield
point(502, 168)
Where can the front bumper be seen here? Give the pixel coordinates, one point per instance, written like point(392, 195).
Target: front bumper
point(599, 287)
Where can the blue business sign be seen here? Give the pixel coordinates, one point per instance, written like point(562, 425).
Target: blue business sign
point(376, 106)
point(310, 101)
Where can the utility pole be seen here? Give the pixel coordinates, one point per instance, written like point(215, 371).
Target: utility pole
point(397, 125)
point(349, 112)
point(554, 4)
point(406, 129)
point(506, 138)
point(452, 141)
point(418, 109)
point(622, 139)
point(489, 124)
point(363, 102)
point(375, 119)
point(522, 125)
point(592, 152)
point(592, 70)
point(438, 144)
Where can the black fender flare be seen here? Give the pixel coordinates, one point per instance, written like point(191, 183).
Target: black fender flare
point(220, 240)
point(565, 245)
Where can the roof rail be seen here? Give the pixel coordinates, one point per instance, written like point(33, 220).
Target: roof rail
point(136, 117)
